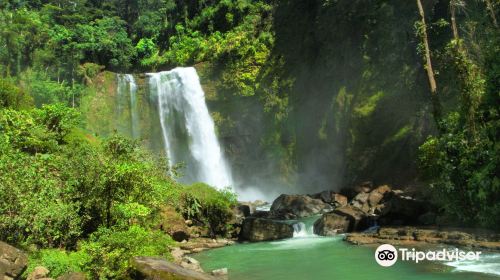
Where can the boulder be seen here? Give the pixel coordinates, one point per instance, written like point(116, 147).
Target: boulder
point(402, 210)
point(258, 229)
point(339, 200)
point(331, 197)
point(378, 194)
point(364, 187)
point(360, 201)
point(161, 269)
point(240, 212)
point(343, 219)
point(39, 272)
point(190, 263)
point(13, 261)
point(298, 206)
point(173, 224)
point(220, 272)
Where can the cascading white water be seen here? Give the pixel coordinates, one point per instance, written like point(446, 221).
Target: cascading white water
point(187, 128)
point(305, 227)
point(127, 85)
point(300, 229)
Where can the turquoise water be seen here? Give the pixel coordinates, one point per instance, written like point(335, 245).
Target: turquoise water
point(323, 258)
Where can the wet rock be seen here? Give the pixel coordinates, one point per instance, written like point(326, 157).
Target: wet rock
point(13, 261)
point(161, 269)
point(258, 229)
point(344, 219)
point(297, 206)
point(220, 272)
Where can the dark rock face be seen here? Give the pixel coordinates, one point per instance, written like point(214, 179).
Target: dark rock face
point(298, 206)
point(12, 261)
point(401, 210)
point(161, 269)
point(258, 229)
point(172, 223)
point(344, 219)
point(332, 198)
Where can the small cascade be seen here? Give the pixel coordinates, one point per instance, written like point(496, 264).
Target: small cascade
point(187, 128)
point(304, 228)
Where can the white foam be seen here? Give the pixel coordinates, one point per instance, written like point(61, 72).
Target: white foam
point(489, 264)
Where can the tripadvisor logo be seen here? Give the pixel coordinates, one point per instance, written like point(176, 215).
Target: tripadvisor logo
point(387, 255)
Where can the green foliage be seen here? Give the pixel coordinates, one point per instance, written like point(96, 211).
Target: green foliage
point(57, 186)
point(463, 172)
point(110, 250)
point(146, 47)
point(57, 261)
point(46, 91)
point(12, 96)
point(207, 206)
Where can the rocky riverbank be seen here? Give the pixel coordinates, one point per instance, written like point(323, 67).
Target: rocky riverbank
point(417, 237)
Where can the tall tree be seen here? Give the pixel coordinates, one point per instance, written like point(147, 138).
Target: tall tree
point(428, 64)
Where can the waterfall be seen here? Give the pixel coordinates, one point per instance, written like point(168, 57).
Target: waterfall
point(188, 130)
point(305, 227)
point(301, 230)
point(127, 86)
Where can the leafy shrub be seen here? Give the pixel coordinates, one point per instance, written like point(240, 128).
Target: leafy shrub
point(57, 186)
point(207, 206)
point(57, 261)
point(110, 251)
point(463, 172)
point(12, 96)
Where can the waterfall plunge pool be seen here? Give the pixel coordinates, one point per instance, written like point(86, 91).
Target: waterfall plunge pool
point(311, 257)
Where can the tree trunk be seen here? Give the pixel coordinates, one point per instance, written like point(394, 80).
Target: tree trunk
point(453, 20)
point(489, 6)
point(428, 66)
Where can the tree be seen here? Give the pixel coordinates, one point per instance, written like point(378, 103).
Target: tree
point(422, 30)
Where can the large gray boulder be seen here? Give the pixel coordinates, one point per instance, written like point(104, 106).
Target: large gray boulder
point(160, 269)
point(258, 229)
point(13, 261)
point(294, 206)
point(341, 220)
